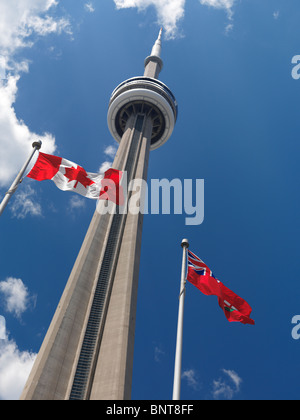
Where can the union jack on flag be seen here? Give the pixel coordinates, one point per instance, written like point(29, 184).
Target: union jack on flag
point(198, 265)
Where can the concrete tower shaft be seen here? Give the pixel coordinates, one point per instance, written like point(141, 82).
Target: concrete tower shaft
point(87, 353)
point(154, 63)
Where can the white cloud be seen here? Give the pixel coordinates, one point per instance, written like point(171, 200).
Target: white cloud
point(191, 377)
point(220, 4)
point(15, 137)
point(47, 25)
point(169, 12)
point(24, 203)
point(234, 377)
point(16, 296)
point(227, 5)
point(111, 151)
point(89, 7)
point(158, 353)
point(276, 14)
point(227, 387)
point(76, 203)
point(19, 20)
point(15, 366)
point(104, 167)
point(21, 23)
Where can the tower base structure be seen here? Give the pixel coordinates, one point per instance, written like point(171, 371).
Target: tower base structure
point(88, 350)
point(87, 353)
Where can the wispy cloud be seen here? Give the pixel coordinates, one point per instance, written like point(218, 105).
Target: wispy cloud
point(191, 377)
point(25, 204)
point(226, 5)
point(110, 152)
point(220, 4)
point(76, 203)
point(169, 12)
point(158, 353)
point(89, 7)
point(227, 386)
point(16, 297)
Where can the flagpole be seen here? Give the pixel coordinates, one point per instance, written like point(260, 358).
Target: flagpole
point(178, 356)
point(14, 186)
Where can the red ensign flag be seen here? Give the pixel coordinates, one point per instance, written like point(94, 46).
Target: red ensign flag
point(235, 308)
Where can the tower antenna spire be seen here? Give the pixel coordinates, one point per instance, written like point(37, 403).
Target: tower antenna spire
point(160, 33)
point(154, 63)
point(156, 50)
point(87, 353)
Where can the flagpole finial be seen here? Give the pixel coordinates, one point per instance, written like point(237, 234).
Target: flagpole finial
point(37, 144)
point(185, 243)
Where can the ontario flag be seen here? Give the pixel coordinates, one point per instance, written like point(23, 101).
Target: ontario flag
point(235, 308)
point(68, 176)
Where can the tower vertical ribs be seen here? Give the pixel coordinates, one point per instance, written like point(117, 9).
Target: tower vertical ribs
point(83, 377)
point(89, 347)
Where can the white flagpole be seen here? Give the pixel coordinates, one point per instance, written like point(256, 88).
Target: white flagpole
point(178, 356)
point(36, 146)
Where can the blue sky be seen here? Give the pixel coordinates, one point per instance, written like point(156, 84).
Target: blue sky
point(229, 64)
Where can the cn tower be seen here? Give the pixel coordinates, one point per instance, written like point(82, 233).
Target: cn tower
point(87, 353)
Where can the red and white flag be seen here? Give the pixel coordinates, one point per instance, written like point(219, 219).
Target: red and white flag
point(235, 308)
point(68, 176)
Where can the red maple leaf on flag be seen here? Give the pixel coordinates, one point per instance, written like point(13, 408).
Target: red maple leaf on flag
point(80, 175)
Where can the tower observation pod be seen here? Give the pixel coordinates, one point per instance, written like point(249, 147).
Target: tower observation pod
point(146, 96)
point(87, 353)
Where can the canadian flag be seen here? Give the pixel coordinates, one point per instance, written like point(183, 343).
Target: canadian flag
point(68, 176)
